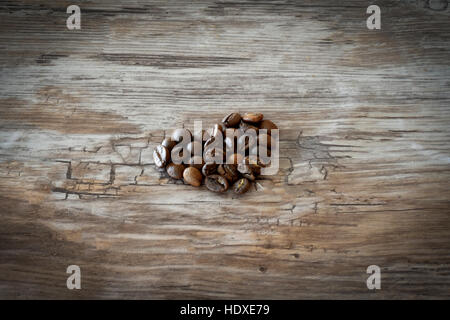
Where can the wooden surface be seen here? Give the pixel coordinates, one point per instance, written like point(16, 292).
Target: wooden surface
point(365, 157)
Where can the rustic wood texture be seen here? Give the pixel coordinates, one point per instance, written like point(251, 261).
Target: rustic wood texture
point(365, 156)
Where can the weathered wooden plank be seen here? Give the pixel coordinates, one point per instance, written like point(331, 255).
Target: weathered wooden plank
point(364, 168)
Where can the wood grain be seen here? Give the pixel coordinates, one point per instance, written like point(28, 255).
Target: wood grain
point(365, 156)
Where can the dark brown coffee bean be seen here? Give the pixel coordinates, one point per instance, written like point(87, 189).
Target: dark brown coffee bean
point(192, 176)
point(161, 156)
point(178, 135)
point(209, 169)
point(196, 162)
point(252, 117)
point(241, 186)
point(268, 125)
point(229, 171)
point(175, 170)
point(168, 143)
point(216, 183)
point(194, 146)
point(232, 120)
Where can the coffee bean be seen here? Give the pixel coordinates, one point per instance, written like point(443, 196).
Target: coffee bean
point(192, 176)
point(161, 156)
point(196, 162)
point(252, 117)
point(175, 170)
point(268, 125)
point(209, 168)
point(241, 186)
point(178, 135)
point(169, 143)
point(216, 183)
point(229, 171)
point(232, 120)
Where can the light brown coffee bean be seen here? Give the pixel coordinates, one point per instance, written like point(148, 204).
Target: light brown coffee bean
point(175, 170)
point(252, 117)
point(192, 176)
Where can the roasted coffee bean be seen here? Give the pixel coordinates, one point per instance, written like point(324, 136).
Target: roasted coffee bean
point(161, 156)
point(194, 146)
point(209, 168)
point(229, 171)
point(175, 170)
point(244, 126)
point(178, 134)
point(268, 125)
point(232, 120)
point(235, 158)
point(192, 176)
point(216, 183)
point(196, 162)
point(241, 186)
point(252, 117)
point(169, 143)
point(213, 155)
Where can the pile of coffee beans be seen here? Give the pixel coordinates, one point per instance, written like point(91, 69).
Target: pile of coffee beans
point(231, 154)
